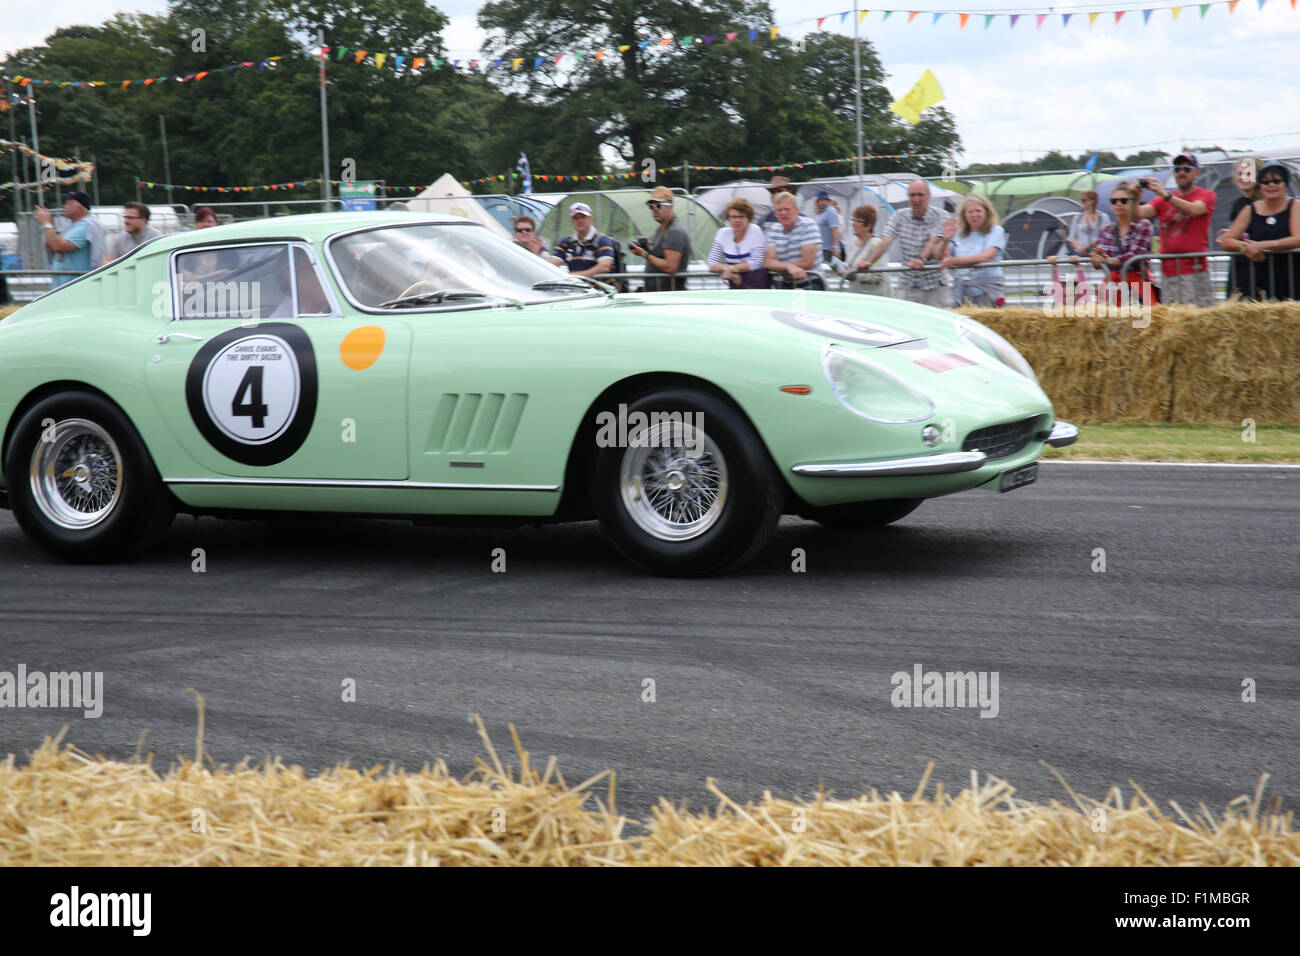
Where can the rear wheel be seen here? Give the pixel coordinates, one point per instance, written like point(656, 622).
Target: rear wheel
point(863, 514)
point(81, 483)
point(689, 495)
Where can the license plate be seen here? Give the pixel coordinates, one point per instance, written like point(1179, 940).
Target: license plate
point(1016, 478)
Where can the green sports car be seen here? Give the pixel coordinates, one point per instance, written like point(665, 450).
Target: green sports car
point(393, 364)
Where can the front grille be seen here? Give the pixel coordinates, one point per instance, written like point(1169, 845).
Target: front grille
point(1001, 441)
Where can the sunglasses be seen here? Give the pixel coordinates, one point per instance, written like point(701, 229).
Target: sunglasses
point(1183, 169)
point(523, 228)
point(1272, 182)
point(658, 205)
point(1119, 200)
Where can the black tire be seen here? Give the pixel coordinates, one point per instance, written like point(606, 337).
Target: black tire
point(863, 514)
point(737, 504)
point(95, 494)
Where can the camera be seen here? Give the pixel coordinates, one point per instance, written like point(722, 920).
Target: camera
point(643, 242)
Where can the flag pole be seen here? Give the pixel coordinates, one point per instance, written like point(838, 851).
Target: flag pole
point(324, 128)
point(857, 92)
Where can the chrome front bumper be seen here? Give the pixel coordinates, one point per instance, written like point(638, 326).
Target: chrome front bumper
point(1063, 433)
point(948, 463)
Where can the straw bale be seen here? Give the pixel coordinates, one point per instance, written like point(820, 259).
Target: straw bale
point(1211, 366)
point(66, 808)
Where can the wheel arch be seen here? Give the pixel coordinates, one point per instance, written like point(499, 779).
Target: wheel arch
point(45, 390)
point(576, 499)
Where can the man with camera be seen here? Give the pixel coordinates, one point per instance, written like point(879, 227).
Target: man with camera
point(670, 251)
point(1184, 218)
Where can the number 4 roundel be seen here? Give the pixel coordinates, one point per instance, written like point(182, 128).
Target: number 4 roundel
point(252, 392)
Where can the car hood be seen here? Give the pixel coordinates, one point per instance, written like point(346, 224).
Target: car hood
point(855, 321)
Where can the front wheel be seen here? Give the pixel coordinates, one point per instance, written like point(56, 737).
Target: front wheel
point(682, 485)
point(81, 483)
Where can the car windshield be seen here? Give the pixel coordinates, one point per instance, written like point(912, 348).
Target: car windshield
point(445, 266)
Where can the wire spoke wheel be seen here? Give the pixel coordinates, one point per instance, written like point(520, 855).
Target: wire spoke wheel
point(673, 481)
point(76, 474)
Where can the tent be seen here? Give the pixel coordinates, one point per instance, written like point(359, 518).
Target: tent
point(505, 208)
point(623, 214)
point(449, 197)
point(1033, 234)
point(1017, 192)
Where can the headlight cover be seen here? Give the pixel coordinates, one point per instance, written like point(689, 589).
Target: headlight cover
point(994, 345)
point(871, 391)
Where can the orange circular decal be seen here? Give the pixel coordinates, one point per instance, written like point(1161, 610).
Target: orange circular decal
point(362, 347)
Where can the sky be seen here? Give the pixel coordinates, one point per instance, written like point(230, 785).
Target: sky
point(1223, 79)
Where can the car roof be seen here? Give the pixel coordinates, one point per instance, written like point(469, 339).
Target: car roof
point(313, 227)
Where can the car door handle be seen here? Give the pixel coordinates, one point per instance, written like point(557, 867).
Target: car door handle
point(166, 336)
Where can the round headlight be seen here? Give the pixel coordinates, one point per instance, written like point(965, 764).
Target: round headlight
point(871, 391)
point(994, 345)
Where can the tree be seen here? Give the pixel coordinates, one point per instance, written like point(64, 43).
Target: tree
point(717, 103)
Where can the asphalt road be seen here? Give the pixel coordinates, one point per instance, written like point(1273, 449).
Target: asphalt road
point(765, 679)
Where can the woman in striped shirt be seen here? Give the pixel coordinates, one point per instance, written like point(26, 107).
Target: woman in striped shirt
point(738, 248)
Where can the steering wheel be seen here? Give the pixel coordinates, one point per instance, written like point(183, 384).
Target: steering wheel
point(424, 285)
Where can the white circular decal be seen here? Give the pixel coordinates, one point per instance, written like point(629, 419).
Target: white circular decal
point(251, 388)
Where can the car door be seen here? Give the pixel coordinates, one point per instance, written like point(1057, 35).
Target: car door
point(261, 375)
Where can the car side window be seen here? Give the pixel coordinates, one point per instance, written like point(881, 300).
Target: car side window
point(244, 282)
point(312, 299)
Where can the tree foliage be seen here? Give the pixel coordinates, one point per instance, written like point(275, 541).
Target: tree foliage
point(740, 104)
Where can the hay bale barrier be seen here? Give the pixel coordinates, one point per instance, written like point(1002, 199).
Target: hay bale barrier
point(66, 808)
point(1213, 366)
point(1194, 366)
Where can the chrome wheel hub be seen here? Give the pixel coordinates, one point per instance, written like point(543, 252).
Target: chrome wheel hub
point(673, 481)
point(76, 474)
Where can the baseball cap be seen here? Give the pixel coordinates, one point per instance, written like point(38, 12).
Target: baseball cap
point(1186, 159)
point(823, 194)
point(580, 209)
point(661, 194)
point(83, 198)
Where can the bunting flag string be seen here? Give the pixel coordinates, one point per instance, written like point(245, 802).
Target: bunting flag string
point(77, 172)
point(411, 64)
point(270, 187)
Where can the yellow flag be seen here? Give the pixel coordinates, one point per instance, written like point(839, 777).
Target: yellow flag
point(922, 96)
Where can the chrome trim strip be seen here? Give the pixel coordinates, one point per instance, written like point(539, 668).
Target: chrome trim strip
point(949, 463)
point(355, 483)
point(1063, 433)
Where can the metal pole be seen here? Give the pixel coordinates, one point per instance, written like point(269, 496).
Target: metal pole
point(324, 128)
point(167, 163)
point(36, 147)
point(857, 92)
point(137, 189)
point(13, 164)
point(686, 174)
point(94, 177)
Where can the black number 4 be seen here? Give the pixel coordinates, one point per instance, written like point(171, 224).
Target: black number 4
point(251, 384)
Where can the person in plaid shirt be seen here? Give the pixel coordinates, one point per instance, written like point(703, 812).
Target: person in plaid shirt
point(1124, 238)
point(921, 238)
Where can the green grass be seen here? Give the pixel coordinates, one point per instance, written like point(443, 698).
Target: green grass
point(1273, 443)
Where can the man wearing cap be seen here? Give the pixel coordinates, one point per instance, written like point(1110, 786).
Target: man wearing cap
point(74, 249)
point(828, 221)
point(779, 184)
point(670, 249)
point(1184, 227)
point(135, 220)
point(586, 252)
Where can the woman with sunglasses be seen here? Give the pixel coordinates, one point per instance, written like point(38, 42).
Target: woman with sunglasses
point(1128, 236)
point(526, 236)
point(1266, 231)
